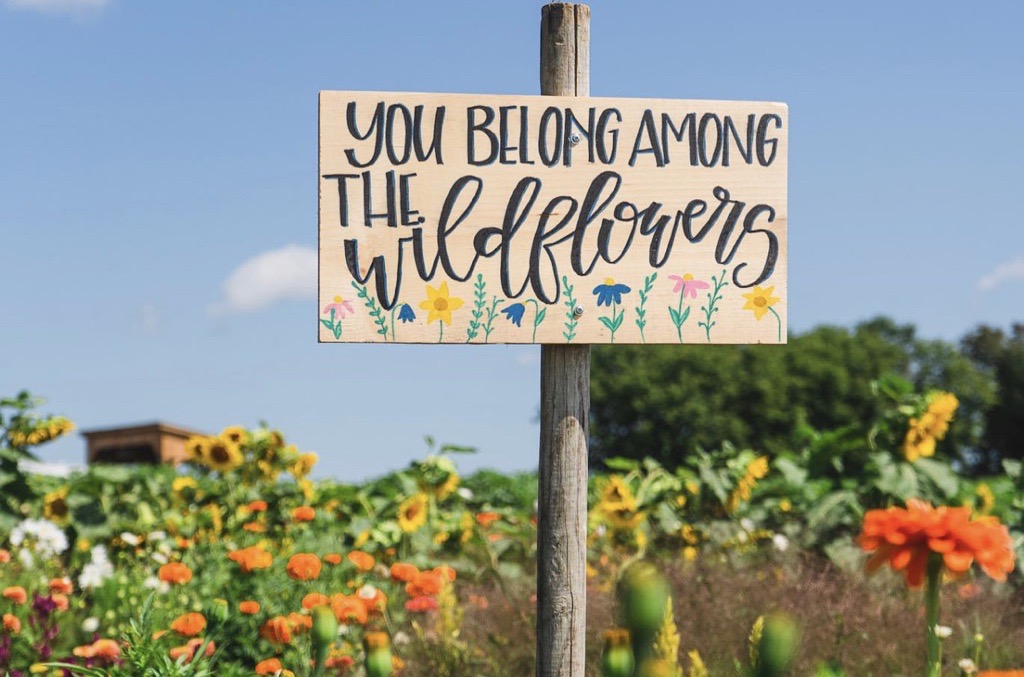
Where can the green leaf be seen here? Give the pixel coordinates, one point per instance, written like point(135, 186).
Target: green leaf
point(941, 475)
point(540, 316)
point(607, 323)
point(675, 316)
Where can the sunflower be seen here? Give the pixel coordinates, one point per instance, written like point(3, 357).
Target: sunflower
point(55, 505)
point(236, 434)
point(760, 301)
point(303, 465)
point(440, 304)
point(195, 448)
point(412, 513)
point(222, 455)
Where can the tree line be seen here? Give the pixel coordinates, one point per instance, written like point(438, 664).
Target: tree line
point(667, 401)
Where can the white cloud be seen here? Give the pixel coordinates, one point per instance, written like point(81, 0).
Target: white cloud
point(58, 6)
point(1001, 274)
point(279, 275)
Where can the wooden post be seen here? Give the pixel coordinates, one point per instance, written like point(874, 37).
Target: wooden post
point(564, 407)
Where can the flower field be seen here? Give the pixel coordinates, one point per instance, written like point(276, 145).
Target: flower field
point(734, 563)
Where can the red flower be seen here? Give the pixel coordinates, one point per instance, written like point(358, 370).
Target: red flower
point(421, 605)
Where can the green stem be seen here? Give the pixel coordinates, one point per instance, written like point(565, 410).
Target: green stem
point(779, 320)
point(934, 579)
point(536, 311)
point(392, 323)
point(440, 335)
point(613, 321)
point(679, 312)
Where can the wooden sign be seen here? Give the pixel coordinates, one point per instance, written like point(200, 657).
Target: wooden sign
point(452, 218)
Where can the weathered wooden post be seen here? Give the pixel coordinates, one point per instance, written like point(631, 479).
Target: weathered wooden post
point(565, 403)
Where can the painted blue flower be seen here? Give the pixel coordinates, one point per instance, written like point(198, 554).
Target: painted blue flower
point(405, 314)
point(514, 313)
point(609, 292)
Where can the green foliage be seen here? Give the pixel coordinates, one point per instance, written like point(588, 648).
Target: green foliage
point(1001, 355)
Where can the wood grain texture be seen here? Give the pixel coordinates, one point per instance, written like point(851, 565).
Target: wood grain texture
point(565, 406)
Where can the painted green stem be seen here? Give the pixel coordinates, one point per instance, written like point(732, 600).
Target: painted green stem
point(679, 313)
point(440, 333)
point(934, 580)
point(779, 320)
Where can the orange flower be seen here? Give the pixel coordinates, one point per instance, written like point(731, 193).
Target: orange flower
point(304, 567)
point(257, 506)
point(189, 625)
point(254, 527)
point(271, 666)
point(373, 599)
point(16, 594)
point(362, 561)
point(446, 571)
point(12, 624)
point(1001, 673)
point(5, 556)
point(277, 630)
point(249, 607)
point(348, 609)
point(106, 649)
point(424, 584)
point(402, 572)
point(304, 514)
point(315, 599)
point(61, 601)
point(62, 586)
point(300, 622)
point(332, 558)
point(175, 573)
point(250, 559)
point(190, 649)
point(907, 537)
point(485, 519)
point(421, 605)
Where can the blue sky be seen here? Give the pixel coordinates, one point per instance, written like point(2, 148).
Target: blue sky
point(158, 194)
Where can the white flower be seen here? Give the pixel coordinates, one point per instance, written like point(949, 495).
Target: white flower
point(157, 536)
point(742, 538)
point(747, 524)
point(367, 592)
point(780, 542)
point(154, 583)
point(600, 530)
point(130, 538)
point(97, 570)
point(26, 559)
point(160, 558)
point(49, 539)
point(465, 493)
point(943, 631)
point(91, 624)
point(967, 666)
point(400, 638)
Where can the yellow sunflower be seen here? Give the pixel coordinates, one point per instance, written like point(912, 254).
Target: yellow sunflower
point(760, 300)
point(236, 434)
point(55, 506)
point(195, 447)
point(412, 513)
point(303, 465)
point(222, 455)
point(440, 304)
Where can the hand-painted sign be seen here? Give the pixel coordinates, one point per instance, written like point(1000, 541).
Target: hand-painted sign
point(526, 219)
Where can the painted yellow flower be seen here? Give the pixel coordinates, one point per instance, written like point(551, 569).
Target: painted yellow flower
point(222, 455)
point(440, 304)
point(412, 513)
point(760, 300)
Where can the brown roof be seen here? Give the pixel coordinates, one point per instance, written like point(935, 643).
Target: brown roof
point(154, 426)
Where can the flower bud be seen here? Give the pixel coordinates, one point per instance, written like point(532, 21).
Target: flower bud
point(325, 625)
point(217, 612)
point(617, 660)
point(378, 654)
point(642, 593)
point(777, 647)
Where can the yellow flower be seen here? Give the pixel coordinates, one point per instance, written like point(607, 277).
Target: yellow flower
point(689, 534)
point(760, 300)
point(785, 505)
point(758, 468)
point(222, 455)
point(447, 487)
point(304, 465)
point(363, 538)
point(697, 667)
point(412, 513)
point(986, 497)
point(440, 304)
point(44, 430)
point(195, 447)
point(690, 553)
point(180, 484)
point(55, 505)
point(236, 434)
point(918, 442)
point(440, 537)
point(941, 407)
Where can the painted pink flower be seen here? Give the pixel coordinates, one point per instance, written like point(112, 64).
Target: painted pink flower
point(687, 285)
point(340, 307)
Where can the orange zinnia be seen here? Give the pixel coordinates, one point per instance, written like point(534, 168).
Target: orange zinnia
point(300, 622)
point(304, 566)
point(315, 599)
point(277, 630)
point(402, 572)
point(1001, 673)
point(12, 624)
point(907, 537)
point(485, 519)
point(16, 594)
point(257, 506)
point(189, 625)
point(348, 609)
point(175, 573)
point(190, 649)
point(249, 607)
point(425, 584)
point(304, 514)
point(362, 561)
point(446, 571)
point(252, 558)
point(332, 558)
point(271, 666)
point(373, 599)
point(61, 601)
point(106, 649)
point(62, 586)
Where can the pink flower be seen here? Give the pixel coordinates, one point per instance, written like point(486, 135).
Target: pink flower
point(340, 307)
point(687, 285)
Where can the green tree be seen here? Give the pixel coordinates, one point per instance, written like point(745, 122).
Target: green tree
point(1001, 355)
point(667, 401)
